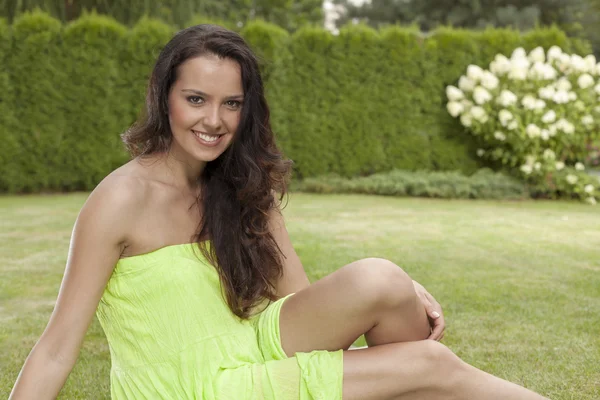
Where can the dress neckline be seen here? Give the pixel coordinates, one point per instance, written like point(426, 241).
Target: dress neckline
point(162, 249)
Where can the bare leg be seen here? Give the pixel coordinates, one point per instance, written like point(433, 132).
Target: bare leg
point(376, 298)
point(372, 297)
point(421, 370)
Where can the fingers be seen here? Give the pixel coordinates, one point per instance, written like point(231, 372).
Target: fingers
point(436, 318)
point(433, 311)
point(438, 326)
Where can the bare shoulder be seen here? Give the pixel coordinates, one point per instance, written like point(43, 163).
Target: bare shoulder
point(115, 204)
point(121, 189)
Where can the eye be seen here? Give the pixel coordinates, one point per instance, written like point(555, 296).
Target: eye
point(195, 99)
point(234, 104)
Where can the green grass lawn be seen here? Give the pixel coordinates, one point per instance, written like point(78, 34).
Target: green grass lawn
point(519, 281)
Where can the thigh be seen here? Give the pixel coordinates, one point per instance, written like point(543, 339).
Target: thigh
point(399, 371)
point(333, 312)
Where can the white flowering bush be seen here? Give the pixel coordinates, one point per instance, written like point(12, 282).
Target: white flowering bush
point(536, 113)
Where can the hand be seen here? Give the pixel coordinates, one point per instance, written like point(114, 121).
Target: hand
point(433, 311)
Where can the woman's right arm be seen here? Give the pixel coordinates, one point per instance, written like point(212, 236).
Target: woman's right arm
point(99, 234)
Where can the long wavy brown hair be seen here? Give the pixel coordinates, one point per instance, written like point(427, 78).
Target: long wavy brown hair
point(238, 188)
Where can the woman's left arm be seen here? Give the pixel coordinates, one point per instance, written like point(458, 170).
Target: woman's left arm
point(294, 278)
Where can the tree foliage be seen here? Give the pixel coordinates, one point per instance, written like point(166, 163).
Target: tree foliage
point(578, 18)
point(288, 14)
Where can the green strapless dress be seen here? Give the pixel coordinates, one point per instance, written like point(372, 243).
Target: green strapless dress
point(172, 336)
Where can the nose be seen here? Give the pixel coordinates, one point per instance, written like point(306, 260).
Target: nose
point(212, 118)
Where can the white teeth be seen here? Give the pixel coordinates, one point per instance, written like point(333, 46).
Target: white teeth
point(207, 138)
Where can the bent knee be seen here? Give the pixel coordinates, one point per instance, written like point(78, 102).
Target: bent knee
point(449, 368)
point(436, 353)
point(381, 281)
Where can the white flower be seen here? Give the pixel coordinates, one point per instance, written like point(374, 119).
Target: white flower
point(481, 96)
point(554, 52)
point(577, 63)
point(528, 102)
point(489, 80)
point(533, 131)
point(547, 92)
point(565, 126)
point(587, 120)
point(505, 117)
point(569, 128)
point(579, 166)
point(590, 63)
point(454, 93)
point(549, 117)
point(480, 152)
point(563, 84)
point(512, 125)
point(560, 97)
point(591, 201)
point(564, 63)
point(466, 103)
point(519, 52)
point(549, 72)
point(559, 165)
point(537, 166)
point(465, 84)
point(552, 129)
point(526, 168)
point(500, 66)
point(572, 96)
point(466, 119)
point(500, 136)
point(518, 73)
point(540, 70)
point(572, 179)
point(479, 114)
point(545, 134)
point(507, 98)
point(474, 72)
point(537, 54)
point(455, 108)
point(585, 81)
point(597, 88)
point(539, 104)
point(588, 188)
point(549, 154)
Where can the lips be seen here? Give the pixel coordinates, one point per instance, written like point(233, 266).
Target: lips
point(208, 139)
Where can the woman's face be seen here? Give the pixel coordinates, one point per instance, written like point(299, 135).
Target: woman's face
point(205, 104)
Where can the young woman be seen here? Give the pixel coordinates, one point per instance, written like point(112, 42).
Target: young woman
point(184, 255)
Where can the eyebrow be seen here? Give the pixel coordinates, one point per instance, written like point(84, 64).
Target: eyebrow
point(201, 93)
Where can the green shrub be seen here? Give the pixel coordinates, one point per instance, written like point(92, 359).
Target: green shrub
point(8, 124)
point(138, 53)
point(266, 41)
point(92, 146)
point(35, 131)
point(201, 19)
point(355, 104)
point(536, 114)
point(484, 184)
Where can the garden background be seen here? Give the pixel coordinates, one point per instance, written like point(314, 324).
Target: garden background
point(519, 280)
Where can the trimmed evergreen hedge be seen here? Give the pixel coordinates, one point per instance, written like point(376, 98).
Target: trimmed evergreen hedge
point(355, 104)
point(484, 184)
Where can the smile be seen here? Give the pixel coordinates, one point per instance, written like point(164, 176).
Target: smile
point(207, 139)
